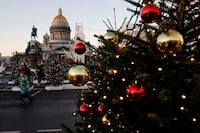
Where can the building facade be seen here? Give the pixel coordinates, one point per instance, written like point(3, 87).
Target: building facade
point(59, 41)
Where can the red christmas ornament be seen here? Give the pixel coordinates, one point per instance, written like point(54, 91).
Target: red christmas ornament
point(100, 65)
point(84, 109)
point(100, 108)
point(150, 13)
point(80, 48)
point(135, 93)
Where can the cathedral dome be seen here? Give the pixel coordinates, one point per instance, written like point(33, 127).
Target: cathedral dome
point(59, 29)
point(60, 20)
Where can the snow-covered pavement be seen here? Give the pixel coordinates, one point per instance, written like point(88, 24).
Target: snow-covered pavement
point(66, 85)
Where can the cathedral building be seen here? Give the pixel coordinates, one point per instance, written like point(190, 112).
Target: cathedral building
point(59, 41)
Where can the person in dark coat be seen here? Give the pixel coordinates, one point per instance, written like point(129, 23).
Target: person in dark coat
point(40, 73)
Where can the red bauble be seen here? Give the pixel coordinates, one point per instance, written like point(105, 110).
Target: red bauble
point(80, 48)
point(100, 108)
point(84, 109)
point(134, 92)
point(150, 13)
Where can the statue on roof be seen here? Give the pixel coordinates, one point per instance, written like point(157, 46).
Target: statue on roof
point(34, 32)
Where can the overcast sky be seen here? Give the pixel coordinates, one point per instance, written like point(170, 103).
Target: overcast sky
point(17, 18)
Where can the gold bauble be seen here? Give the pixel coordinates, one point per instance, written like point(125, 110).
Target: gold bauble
point(110, 36)
point(78, 75)
point(170, 42)
point(105, 120)
point(112, 71)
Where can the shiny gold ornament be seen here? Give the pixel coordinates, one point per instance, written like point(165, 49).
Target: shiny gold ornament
point(78, 75)
point(112, 72)
point(112, 37)
point(170, 42)
point(105, 120)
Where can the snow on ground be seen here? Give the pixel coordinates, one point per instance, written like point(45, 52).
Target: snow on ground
point(70, 86)
point(66, 85)
point(15, 88)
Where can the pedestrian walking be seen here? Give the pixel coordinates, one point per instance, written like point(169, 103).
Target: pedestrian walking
point(24, 84)
point(40, 73)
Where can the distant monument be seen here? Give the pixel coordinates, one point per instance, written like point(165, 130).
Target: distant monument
point(34, 32)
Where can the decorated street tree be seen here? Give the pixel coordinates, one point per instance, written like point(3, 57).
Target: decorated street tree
point(15, 61)
point(55, 71)
point(146, 77)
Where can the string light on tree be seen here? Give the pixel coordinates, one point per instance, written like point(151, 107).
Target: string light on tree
point(151, 83)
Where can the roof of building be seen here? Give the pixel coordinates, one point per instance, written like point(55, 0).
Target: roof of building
point(60, 20)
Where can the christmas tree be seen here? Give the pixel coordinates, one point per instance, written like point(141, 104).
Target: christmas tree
point(55, 70)
point(146, 77)
point(15, 62)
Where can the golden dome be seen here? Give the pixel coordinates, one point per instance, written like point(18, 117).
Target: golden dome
point(60, 20)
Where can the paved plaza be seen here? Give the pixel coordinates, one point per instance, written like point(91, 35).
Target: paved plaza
point(49, 110)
